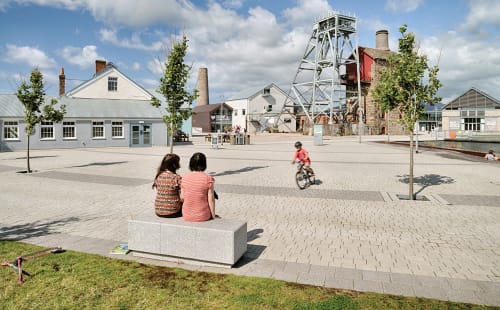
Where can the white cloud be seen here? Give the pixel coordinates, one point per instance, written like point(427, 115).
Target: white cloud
point(464, 63)
point(402, 5)
point(306, 12)
point(28, 55)
point(156, 67)
point(83, 57)
point(135, 41)
point(482, 13)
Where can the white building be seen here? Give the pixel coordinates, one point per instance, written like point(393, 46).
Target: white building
point(260, 109)
point(474, 113)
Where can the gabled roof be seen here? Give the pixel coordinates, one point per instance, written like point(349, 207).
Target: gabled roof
point(83, 108)
point(110, 67)
point(210, 108)
point(10, 106)
point(251, 92)
point(376, 53)
point(109, 108)
point(473, 98)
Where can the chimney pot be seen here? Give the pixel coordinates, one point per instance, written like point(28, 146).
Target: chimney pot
point(99, 65)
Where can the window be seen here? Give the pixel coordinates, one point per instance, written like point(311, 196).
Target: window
point(243, 112)
point(471, 123)
point(235, 112)
point(117, 129)
point(266, 92)
point(69, 130)
point(11, 130)
point(112, 83)
point(269, 108)
point(98, 130)
point(46, 130)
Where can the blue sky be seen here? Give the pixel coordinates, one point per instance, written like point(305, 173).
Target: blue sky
point(243, 43)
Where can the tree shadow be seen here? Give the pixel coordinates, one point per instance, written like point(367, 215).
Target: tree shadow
point(426, 180)
point(34, 229)
point(100, 164)
point(242, 170)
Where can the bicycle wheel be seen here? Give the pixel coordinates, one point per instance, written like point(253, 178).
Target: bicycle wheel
point(301, 179)
point(312, 179)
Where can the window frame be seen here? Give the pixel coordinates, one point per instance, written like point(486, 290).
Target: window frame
point(96, 125)
point(6, 126)
point(114, 125)
point(112, 84)
point(66, 125)
point(47, 127)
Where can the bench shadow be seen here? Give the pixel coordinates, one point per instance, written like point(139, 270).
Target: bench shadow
point(34, 229)
point(427, 180)
point(253, 250)
point(241, 170)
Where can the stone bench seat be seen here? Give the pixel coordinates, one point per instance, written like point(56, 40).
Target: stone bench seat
point(219, 242)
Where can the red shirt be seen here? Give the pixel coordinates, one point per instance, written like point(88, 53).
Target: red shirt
point(301, 155)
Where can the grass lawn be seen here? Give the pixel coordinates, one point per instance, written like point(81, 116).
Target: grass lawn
point(74, 280)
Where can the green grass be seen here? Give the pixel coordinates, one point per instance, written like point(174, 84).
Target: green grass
point(73, 280)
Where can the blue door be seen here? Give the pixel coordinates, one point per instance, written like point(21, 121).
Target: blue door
point(140, 135)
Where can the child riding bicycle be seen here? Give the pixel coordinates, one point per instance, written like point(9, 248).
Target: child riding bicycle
point(303, 156)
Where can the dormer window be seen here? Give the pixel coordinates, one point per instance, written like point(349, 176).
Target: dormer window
point(266, 92)
point(112, 83)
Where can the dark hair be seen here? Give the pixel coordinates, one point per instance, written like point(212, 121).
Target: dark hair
point(170, 162)
point(198, 162)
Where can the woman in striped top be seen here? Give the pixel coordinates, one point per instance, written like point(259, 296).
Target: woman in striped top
point(167, 183)
point(197, 191)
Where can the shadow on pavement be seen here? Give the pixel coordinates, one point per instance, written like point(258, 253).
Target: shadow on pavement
point(34, 229)
point(245, 169)
point(426, 180)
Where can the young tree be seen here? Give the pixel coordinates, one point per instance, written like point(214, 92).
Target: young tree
point(172, 87)
point(401, 86)
point(32, 96)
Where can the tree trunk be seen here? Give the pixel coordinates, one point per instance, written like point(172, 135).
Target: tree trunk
point(410, 181)
point(171, 138)
point(28, 156)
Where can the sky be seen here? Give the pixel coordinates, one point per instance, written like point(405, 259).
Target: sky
point(242, 43)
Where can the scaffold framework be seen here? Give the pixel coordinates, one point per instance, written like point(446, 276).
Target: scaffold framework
point(318, 87)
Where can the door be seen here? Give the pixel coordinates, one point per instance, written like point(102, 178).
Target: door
point(140, 135)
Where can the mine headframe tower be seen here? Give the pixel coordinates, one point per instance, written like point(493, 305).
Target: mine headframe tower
point(319, 87)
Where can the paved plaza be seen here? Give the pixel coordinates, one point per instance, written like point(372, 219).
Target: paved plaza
point(348, 231)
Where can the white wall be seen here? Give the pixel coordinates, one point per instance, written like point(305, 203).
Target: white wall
point(99, 88)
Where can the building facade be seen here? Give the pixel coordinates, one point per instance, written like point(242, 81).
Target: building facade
point(474, 113)
point(108, 110)
point(261, 109)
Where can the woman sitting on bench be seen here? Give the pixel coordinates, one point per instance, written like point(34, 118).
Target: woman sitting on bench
point(197, 191)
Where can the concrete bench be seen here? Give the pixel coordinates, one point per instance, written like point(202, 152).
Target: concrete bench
point(219, 242)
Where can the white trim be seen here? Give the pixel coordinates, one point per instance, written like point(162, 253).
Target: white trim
point(16, 126)
point(103, 137)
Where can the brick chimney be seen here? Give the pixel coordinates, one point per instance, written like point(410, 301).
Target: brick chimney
point(99, 65)
point(382, 40)
point(62, 82)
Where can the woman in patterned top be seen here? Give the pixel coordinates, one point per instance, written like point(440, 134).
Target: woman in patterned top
point(167, 183)
point(198, 191)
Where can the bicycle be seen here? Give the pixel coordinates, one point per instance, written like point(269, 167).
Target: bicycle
point(303, 178)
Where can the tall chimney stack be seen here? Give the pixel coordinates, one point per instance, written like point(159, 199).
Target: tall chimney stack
point(202, 87)
point(382, 40)
point(62, 82)
point(99, 65)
